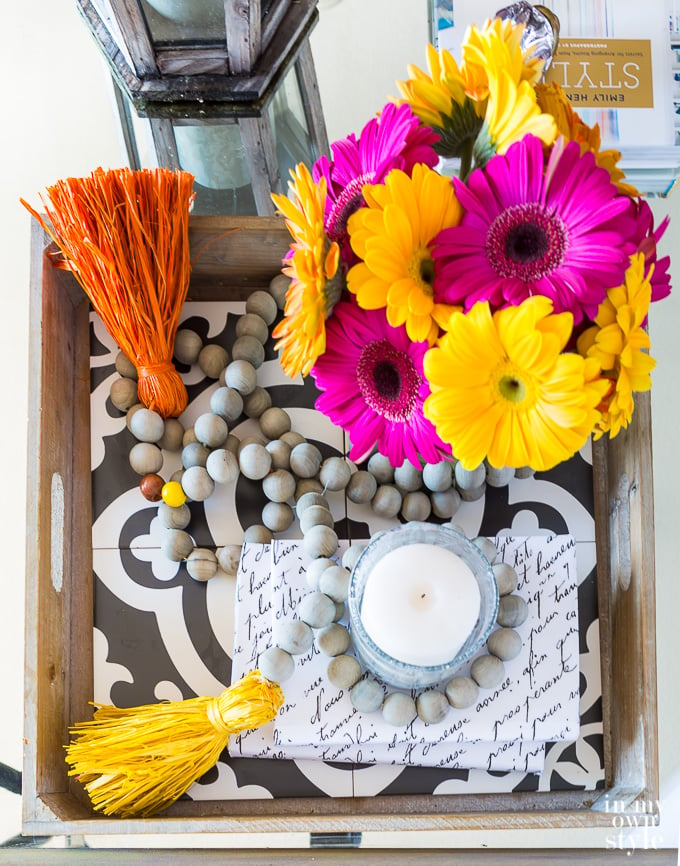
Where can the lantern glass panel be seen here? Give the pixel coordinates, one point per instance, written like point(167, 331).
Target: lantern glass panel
point(291, 130)
point(183, 21)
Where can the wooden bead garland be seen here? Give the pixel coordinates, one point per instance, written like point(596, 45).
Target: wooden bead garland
point(292, 468)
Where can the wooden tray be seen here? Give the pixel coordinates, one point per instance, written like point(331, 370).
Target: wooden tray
point(233, 257)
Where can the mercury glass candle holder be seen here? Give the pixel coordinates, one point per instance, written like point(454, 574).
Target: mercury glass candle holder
point(382, 664)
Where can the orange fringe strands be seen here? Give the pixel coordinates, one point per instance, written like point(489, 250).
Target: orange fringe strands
point(135, 762)
point(125, 236)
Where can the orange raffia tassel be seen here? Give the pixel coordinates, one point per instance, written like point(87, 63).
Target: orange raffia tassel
point(125, 236)
point(135, 762)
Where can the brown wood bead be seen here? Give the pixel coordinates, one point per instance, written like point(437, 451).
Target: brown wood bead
point(151, 486)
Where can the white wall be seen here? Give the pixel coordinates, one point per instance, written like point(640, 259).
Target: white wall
point(57, 121)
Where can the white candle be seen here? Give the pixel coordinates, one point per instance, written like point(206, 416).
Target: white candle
point(420, 604)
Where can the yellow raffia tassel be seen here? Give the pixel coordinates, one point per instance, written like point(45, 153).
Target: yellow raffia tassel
point(135, 762)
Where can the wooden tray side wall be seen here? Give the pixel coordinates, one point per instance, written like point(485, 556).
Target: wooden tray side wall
point(231, 258)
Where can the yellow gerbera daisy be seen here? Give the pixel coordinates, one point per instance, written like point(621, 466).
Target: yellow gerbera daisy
point(497, 46)
point(502, 388)
point(392, 236)
point(512, 112)
point(434, 94)
point(620, 345)
point(313, 269)
point(553, 100)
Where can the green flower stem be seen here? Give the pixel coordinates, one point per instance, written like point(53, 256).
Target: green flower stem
point(465, 152)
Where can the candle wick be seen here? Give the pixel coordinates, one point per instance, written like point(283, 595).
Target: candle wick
point(423, 595)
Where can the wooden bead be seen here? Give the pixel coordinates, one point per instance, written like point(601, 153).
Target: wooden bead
point(381, 469)
point(367, 696)
point(280, 454)
point(222, 466)
point(361, 487)
point(255, 461)
point(506, 578)
point(399, 709)
point(227, 403)
point(274, 422)
point(314, 570)
point(146, 458)
point(252, 325)
point(123, 393)
point(294, 636)
point(241, 376)
point(278, 288)
point(131, 411)
point(249, 440)
point(232, 444)
point(408, 477)
point(524, 472)
point(201, 564)
point(278, 486)
point(276, 664)
point(151, 486)
point(248, 349)
point(293, 438)
point(125, 367)
point(487, 671)
point(255, 403)
point(211, 430)
point(438, 477)
point(307, 485)
point(486, 547)
point(432, 706)
point(308, 499)
point(461, 692)
point(334, 582)
point(335, 473)
point(387, 501)
point(352, 554)
point(197, 484)
point(445, 503)
point(212, 359)
point(339, 611)
point(177, 476)
point(305, 460)
point(469, 479)
point(317, 515)
point(343, 672)
point(499, 477)
point(188, 346)
point(189, 436)
point(416, 506)
point(320, 541)
point(176, 545)
point(505, 644)
point(174, 517)
point(258, 534)
point(173, 433)
point(333, 640)
point(317, 610)
point(512, 611)
point(262, 304)
point(473, 494)
point(278, 516)
point(194, 454)
point(229, 558)
point(173, 494)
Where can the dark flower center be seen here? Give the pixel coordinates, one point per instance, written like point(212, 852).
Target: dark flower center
point(388, 381)
point(349, 201)
point(526, 241)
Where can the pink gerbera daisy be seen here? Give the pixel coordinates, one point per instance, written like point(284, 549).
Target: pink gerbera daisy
point(647, 237)
point(372, 384)
point(530, 228)
point(395, 138)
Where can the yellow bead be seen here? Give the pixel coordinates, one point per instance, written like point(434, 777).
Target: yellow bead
point(173, 495)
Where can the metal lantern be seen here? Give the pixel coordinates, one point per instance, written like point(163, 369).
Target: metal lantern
point(225, 89)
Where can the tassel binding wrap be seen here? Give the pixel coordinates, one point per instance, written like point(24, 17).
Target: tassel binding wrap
point(136, 762)
point(125, 237)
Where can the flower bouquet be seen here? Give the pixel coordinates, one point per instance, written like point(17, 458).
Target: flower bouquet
point(494, 316)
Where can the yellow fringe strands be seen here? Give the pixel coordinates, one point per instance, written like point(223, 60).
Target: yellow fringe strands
point(135, 762)
point(125, 236)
